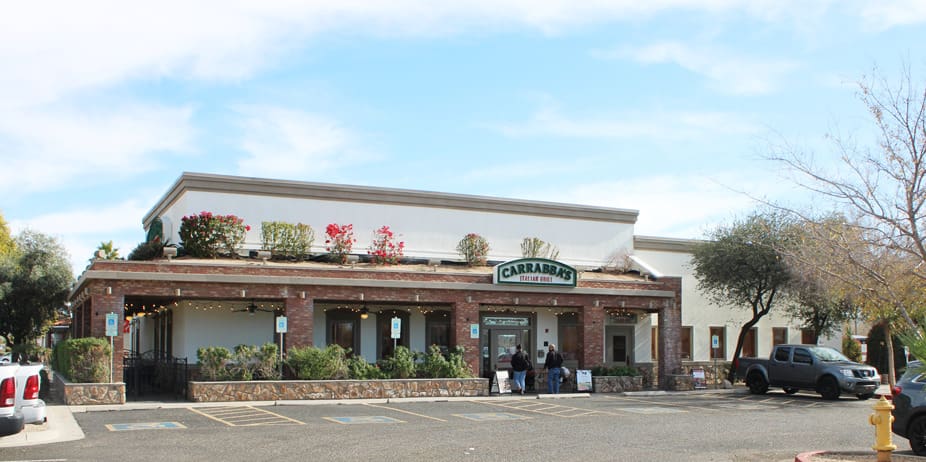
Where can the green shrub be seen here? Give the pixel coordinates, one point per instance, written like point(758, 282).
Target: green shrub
point(311, 363)
point(615, 371)
point(474, 249)
point(31, 352)
point(359, 369)
point(435, 365)
point(247, 362)
point(401, 365)
point(213, 362)
point(147, 251)
point(457, 366)
point(83, 360)
point(851, 348)
point(877, 351)
point(286, 239)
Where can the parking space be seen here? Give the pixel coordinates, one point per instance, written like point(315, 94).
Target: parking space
point(245, 416)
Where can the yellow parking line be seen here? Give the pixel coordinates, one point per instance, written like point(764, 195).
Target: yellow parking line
point(543, 411)
point(406, 412)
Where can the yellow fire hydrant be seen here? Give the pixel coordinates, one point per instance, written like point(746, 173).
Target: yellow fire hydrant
point(882, 420)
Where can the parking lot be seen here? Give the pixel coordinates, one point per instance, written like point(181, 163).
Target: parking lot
point(708, 426)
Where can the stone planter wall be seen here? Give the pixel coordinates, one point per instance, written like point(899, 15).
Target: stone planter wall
point(89, 393)
point(614, 384)
point(285, 390)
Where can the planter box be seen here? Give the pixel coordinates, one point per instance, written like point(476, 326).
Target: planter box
point(292, 390)
point(617, 384)
point(89, 393)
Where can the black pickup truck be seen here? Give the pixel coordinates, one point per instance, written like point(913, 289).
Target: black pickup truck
point(808, 367)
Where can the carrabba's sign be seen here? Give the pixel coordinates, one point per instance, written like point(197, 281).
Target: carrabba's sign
point(535, 271)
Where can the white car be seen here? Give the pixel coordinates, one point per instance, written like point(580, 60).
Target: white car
point(28, 384)
point(11, 418)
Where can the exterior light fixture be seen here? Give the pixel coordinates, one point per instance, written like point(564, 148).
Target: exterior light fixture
point(364, 313)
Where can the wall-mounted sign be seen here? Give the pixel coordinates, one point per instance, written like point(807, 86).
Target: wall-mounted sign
point(506, 322)
point(474, 331)
point(535, 271)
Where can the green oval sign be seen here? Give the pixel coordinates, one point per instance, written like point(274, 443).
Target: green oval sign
point(535, 271)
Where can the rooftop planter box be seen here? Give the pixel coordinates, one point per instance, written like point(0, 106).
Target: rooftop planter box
point(295, 390)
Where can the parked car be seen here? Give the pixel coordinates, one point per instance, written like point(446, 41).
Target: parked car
point(6, 359)
point(909, 397)
point(28, 384)
point(11, 419)
point(808, 367)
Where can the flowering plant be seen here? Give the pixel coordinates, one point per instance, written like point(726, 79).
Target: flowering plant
point(340, 241)
point(384, 249)
point(206, 234)
point(474, 249)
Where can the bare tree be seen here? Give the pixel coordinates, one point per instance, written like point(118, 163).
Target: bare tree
point(883, 190)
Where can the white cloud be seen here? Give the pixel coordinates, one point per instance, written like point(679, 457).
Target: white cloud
point(81, 230)
point(683, 206)
point(727, 71)
point(48, 148)
point(658, 125)
point(282, 142)
point(886, 14)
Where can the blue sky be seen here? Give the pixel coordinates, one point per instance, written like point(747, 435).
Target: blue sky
point(665, 106)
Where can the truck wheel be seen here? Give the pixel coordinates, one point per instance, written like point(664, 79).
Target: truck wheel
point(828, 388)
point(916, 433)
point(864, 396)
point(790, 390)
point(756, 383)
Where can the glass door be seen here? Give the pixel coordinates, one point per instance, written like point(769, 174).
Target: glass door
point(502, 343)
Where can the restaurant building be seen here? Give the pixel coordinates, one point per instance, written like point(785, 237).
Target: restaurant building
point(601, 294)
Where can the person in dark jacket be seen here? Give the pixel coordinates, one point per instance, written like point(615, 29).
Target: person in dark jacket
point(519, 364)
point(553, 365)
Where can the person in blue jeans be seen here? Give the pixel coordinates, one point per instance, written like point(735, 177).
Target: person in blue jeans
point(553, 365)
point(519, 365)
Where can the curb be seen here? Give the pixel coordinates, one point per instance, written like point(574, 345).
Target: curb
point(59, 427)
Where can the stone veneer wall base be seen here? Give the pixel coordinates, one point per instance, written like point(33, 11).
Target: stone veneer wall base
point(89, 393)
point(293, 390)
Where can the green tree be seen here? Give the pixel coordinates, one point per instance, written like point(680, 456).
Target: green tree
point(6, 240)
point(106, 251)
point(34, 282)
point(740, 266)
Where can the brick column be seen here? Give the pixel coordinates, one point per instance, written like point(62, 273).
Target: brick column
point(300, 315)
point(462, 315)
point(670, 329)
point(100, 305)
point(591, 336)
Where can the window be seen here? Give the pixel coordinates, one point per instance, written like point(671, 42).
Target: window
point(720, 352)
point(569, 336)
point(782, 354)
point(779, 335)
point(437, 330)
point(749, 344)
point(802, 356)
point(344, 329)
point(685, 340)
point(807, 337)
point(384, 332)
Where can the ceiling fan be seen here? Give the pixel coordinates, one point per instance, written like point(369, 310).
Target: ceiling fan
point(252, 308)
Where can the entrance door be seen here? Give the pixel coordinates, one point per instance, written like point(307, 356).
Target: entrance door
point(502, 345)
point(618, 346)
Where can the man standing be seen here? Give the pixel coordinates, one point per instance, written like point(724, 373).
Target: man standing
point(553, 365)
